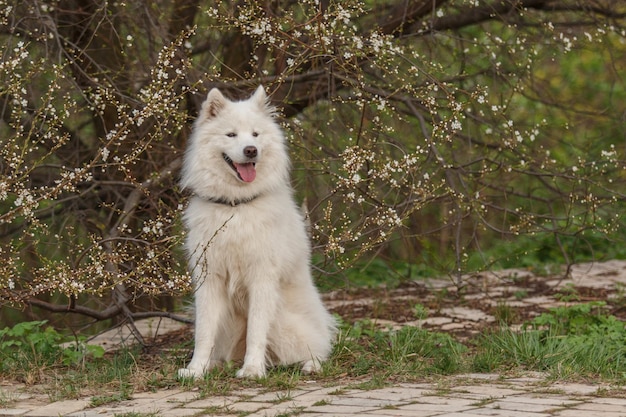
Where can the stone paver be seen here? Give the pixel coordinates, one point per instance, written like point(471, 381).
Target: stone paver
point(463, 395)
point(124, 336)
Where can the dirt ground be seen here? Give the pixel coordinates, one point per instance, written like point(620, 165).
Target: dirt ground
point(477, 303)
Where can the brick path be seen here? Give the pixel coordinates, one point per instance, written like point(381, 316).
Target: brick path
point(461, 395)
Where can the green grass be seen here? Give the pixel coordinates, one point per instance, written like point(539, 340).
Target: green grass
point(373, 357)
point(544, 255)
point(373, 273)
point(406, 354)
point(34, 353)
point(580, 341)
point(123, 394)
point(504, 313)
point(110, 379)
point(30, 349)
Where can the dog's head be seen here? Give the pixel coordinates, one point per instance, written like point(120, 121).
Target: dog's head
point(236, 148)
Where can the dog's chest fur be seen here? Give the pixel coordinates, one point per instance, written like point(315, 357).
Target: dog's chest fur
point(236, 244)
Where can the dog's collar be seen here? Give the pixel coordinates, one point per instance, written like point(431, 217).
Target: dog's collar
point(226, 201)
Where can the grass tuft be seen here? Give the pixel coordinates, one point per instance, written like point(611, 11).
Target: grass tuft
point(408, 353)
point(567, 342)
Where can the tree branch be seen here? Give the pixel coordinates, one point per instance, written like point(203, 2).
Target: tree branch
point(473, 15)
point(105, 314)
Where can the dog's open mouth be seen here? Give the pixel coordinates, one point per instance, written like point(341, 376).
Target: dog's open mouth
point(246, 171)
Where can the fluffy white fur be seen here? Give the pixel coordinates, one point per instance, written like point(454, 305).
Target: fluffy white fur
point(249, 251)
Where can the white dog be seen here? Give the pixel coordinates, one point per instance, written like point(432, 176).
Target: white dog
point(249, 251)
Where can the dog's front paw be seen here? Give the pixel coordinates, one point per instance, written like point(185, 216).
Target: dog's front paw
point(251, 371)
point(190, 373)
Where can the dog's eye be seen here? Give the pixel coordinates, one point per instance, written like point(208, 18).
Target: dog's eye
point(231, 134)
point(255, 134)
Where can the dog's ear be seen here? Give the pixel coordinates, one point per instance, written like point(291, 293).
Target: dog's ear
point(213, 104)
point(262, 101)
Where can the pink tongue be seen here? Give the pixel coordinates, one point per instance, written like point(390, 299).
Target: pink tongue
point(246, 171)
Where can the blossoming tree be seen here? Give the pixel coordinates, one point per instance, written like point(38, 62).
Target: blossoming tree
point(443, 126)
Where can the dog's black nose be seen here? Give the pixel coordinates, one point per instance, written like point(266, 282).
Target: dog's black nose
point(250, 152)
